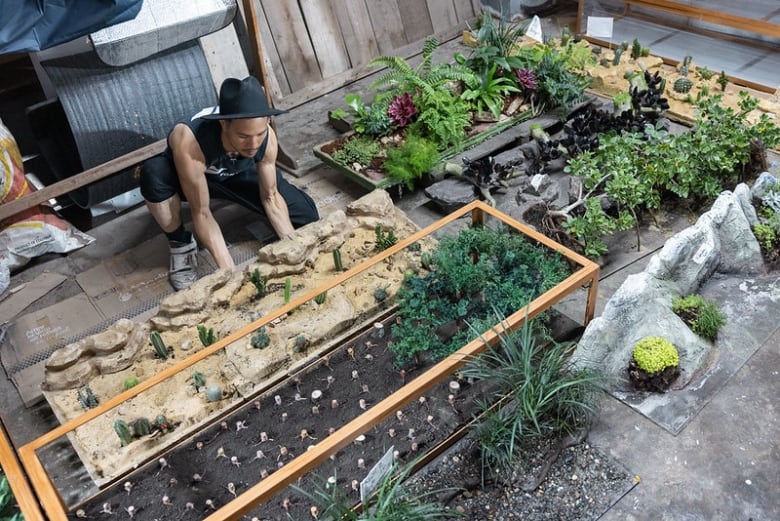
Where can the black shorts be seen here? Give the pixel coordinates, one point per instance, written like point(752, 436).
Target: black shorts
point(160, 182)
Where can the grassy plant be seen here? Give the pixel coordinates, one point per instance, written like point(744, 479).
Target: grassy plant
point(206, 335)
point(394, 501)
point(704, 317)
point(258, 281)
point(545, 396)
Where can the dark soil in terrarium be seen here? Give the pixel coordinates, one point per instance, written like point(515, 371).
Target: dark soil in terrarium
point(657, 382)
point(209, 469)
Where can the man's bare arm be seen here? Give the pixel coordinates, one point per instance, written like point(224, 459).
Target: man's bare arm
point(273, 203)
point(190, 167)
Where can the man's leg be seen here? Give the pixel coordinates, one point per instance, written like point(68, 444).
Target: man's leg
point(161, 189)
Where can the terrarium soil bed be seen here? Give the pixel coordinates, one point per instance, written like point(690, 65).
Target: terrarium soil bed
point(209, 469)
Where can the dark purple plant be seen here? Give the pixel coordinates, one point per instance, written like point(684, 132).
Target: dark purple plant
point(526, 79)
point(401, 110)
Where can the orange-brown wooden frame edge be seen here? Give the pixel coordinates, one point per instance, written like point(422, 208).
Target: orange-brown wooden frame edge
point(17, 479)
point(587, 275)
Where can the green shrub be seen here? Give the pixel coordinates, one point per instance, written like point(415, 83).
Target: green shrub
point(359, 149)
point(765, 235)
point(654, 354)
point(9, 510)
point(704, 317)
point(409, 161)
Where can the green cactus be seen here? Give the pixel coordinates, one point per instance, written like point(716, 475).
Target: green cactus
point(287, 289)
point(337, 260)
point(123, 431)
point(685, 66)
point(381, 293)
point(605, 62)
point(301, 344)
point(161, 424)
point(595, 50)
point(722, 80)
point(704, 73)
point(129, 382)
point(683, 85)
point(636, 49)
point(645, 52)
point(618, 54)
point(261, 340)
point(198, 380)
point(320, 299)
point(565, 35)
point(385, 238)
point(213, 393)
point(258, 281)
point(160, 350)
point(207, 336)
point(87, 398)
point(141, 427)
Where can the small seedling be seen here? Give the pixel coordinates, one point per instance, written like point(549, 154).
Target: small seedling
point(198, 380)
point(260, 340)
point(160, 350)
point(258, 281)
point(320, 299)
point(207, 336)
point(87, 398)
point(129, 383)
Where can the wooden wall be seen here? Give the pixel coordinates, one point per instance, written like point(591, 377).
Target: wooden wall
point(314, 46)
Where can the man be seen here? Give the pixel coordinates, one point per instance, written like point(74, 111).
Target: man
point(223, 153)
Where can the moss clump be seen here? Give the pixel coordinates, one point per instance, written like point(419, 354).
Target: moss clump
point(654, 354)
point(703, 317)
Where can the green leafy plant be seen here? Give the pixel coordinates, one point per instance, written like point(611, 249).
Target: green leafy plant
point(561, 83)
point(654, 354)
point(129, 382)
point(258, 281)
point(766, 235)
point(370, 119)
point(359, 148)
point(465, 278)
point(385, 238)
point(394, 500)
point(408, 162)
point(542, 395)
point(161, 351)
point(703, 316)
point(488, 91)
point(9, 510)
point(206, 335)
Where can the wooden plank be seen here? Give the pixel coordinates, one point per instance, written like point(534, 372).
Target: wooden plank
point(277, 78)
point(442, 14)
point(17, 479)
point(388, 27)
point(295, 49)
point(416, 19)
point(326, 37)
point(464, 10)
point(86, 177)
point(476, 6)
point(356, 30)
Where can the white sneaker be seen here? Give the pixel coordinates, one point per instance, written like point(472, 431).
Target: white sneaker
point(184, 262)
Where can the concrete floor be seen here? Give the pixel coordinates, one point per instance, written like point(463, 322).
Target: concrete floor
point(724, 465)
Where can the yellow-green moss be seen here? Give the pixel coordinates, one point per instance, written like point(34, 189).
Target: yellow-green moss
point(654, 354)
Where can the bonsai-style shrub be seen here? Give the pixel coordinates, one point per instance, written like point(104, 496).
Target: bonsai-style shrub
point(702, 316)
point(654, 364)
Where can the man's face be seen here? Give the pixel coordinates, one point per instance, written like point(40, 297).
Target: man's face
point(245, 135)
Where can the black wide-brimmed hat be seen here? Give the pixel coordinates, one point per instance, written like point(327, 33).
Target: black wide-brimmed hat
point(240, 99)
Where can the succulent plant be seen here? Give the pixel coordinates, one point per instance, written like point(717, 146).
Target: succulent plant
point(301, 344)
point(321, 298)
point(402, 110)
point(526, 78)
point(685, 65)
point(160, 349)
point(654, 354)
point(683, 85)
point(87, 398)
point(260, 340)
point(198, 380)
point(618, 54)
point(162, 424)
point(206, 335)
point(141, 427)
point(287, 289)
point(129, 382)
point(381, 293)
point(213, 393)
point(722, 80)
point(123, 431)
point(258, 281)
point(337, 260)
point(636, 49)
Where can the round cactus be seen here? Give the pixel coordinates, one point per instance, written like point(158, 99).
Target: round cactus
point(683, 85)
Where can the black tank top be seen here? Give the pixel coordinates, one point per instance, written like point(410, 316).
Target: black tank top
point(218, 162)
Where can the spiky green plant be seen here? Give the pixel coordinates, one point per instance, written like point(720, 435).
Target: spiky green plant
point(703, 315)
point(385, 238)
point(320, 299)
point(337, 260)
point(287, 289)
point(161, 351)
point(124, 432)
point(198, 380)
point(258, 281)
point(206, 335)
point(394, 500)
point(261, 340)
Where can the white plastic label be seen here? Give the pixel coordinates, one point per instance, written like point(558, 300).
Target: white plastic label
point(376, 475)
point(534, 30)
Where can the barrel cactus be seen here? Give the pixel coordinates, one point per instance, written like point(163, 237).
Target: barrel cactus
point(124, 432)
point(683, 85)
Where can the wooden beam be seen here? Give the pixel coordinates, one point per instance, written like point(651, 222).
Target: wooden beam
point(10, 208)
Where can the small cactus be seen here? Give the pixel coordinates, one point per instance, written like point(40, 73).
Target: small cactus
point(683, 85)
point(129, 383)
point(160, 350)
point(141, 427)
point(207, 336)
point(722, 80)
point(636, 49)
point(618, 54)
point(301, 344)
point(320, 299)
point(287, 289)
point(685, 66)
point(381, 293)
point(384, 238)
point(198, 380)
point(123, 431)
point(260, 340)
point(162, 424)
point(213, 393)
point(87, 398)
point(337, 260)
point(258, 281)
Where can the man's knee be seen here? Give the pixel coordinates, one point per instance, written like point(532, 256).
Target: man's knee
point(158, 180)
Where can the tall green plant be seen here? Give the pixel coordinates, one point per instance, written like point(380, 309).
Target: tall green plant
point(409, 161)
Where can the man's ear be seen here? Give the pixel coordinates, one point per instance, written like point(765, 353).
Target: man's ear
point(224, 123)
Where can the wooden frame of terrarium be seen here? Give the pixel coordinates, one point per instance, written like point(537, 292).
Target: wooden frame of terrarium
point(585, 276)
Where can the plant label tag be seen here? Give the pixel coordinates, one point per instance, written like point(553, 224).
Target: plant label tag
point(600, 26)
point(534, 30)
point(704, 251)
point(375, 476)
